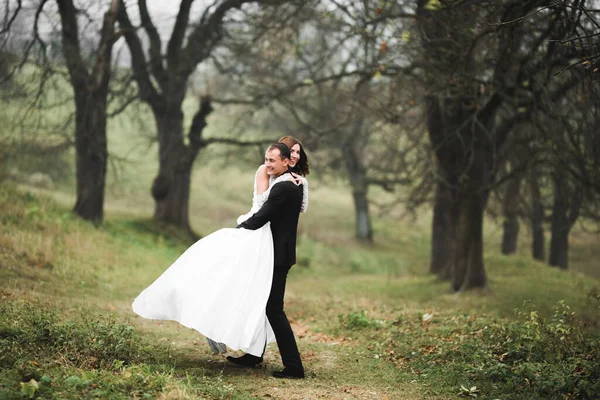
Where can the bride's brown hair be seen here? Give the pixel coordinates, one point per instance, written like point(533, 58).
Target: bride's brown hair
point(301, 167)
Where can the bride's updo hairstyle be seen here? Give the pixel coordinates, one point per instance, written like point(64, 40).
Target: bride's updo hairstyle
point(301, 167)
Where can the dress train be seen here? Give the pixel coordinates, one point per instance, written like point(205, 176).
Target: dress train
point(219, 287)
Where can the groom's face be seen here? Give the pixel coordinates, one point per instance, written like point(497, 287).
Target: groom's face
point(275, 165)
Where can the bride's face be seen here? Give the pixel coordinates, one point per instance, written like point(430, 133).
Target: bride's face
point(294, 155)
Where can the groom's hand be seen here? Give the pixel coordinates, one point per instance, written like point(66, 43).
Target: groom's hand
point(274, 203)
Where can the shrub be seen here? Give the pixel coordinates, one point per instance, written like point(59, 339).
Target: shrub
point(358, 320)
point(537, 356)
point(29, 331)
point(551, 356)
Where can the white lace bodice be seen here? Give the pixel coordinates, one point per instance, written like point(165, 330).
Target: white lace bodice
point(259, 199)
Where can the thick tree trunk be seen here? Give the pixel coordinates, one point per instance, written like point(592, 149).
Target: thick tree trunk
point(469, 268)
point(91, 156)
point(565, 211)
point(443, 240)
point(536, 218)
point(464, 214)
point(559, 242)
point(559, 245)
point(171, 187)
point(511, 216)
point(364, 230)
point(171, 192)
point(358, 183)
point(458, 215)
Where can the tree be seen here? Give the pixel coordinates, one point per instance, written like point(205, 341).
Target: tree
point(574, 156)
point(567, 152)
point(474, 105)
point(582, 36)
point(328, 82)
point(90, 87)
point(89, 80)
point(162, 80)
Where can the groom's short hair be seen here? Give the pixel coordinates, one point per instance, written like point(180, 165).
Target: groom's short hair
point(283, 149)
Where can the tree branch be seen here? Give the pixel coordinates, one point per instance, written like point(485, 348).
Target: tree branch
point(207, 33)
point(176, 41)
point(156, 65)
point(519, 19)
point(9, 21)
point(387, 184)
point(36, 33)
point(237, 142)
point(71, 50)
point(198, 125)
point(102, 67)
point(258, 100)
point(138, 60)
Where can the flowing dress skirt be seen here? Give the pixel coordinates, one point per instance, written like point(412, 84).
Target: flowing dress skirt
point(219, 287)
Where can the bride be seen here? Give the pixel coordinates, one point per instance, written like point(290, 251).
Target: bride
point(220, 285)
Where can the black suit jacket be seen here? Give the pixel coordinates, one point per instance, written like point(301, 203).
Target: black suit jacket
point(282, 209)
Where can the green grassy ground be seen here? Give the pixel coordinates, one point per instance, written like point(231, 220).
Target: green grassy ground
point(371, 323)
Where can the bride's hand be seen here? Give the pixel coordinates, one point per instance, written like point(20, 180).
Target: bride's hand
point(297, 179)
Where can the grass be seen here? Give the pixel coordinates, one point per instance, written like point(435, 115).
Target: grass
point(371, 322)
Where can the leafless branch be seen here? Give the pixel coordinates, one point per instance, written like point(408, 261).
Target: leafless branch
point(519, 19)
point(156, 58)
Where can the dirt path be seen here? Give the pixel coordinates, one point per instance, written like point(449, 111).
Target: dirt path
point(321, 354)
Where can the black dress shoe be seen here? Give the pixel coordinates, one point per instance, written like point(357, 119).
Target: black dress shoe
point(289, 373)
point(247, 360)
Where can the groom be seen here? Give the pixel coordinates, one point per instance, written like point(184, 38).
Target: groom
point(282, 209)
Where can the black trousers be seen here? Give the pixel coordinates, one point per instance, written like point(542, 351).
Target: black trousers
point(279, 322)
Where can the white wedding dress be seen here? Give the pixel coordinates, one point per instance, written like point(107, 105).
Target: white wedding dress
point(220, 285)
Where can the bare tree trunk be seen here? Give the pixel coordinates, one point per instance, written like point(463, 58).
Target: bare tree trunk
point(364, 230)
point(469, 271)
point(559, 246)
point(559, 242)
point(457, 236)
point(511, 216)
point(171, 192)
point(469, 267)
point(445, 211)
point(476, 276)
point(359, 185)
point(565, 211)
point(536, 218)
point(443, 238)
point(91, 157)
point(171, 187)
